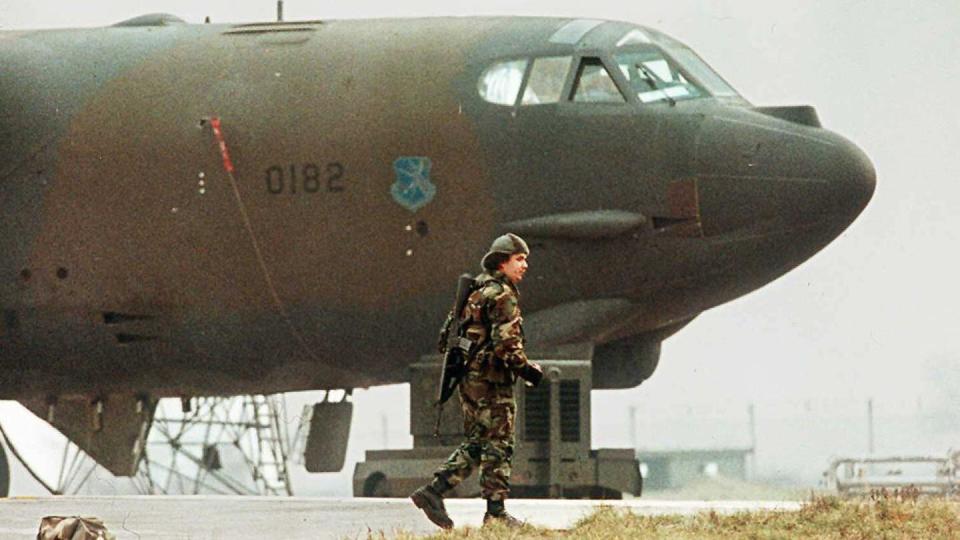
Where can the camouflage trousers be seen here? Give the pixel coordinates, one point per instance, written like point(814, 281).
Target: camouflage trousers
point(489, 410)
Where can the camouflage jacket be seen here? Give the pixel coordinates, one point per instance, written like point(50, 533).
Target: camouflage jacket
point(491, 320)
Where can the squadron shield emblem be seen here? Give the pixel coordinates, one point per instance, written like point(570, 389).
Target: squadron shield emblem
point(413, 188)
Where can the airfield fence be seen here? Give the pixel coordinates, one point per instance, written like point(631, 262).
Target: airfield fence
point(793, 440)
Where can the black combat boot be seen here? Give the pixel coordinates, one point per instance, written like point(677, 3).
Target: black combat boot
point(496, 513)
point(429, 498)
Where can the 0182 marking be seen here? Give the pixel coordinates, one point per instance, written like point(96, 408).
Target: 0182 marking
point(305, 178)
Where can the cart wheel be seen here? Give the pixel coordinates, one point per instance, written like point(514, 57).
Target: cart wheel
point(376, 485)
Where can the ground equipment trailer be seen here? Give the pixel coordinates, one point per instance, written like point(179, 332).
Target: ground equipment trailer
point(552, 458)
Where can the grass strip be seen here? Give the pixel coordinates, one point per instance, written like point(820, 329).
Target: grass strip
point(820, 518)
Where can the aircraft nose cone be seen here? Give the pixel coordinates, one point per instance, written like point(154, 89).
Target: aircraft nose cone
point(763, 175)
point(855, 177)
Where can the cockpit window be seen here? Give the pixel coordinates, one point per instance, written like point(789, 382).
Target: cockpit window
point(573, 31)
point(594, 84)
point(500, 83)
point(655, 78)
point(690, 64)
point(699, 69)
point(546, 80)
point(633, 37)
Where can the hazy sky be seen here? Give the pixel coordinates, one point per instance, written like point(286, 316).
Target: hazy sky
point(871, 315)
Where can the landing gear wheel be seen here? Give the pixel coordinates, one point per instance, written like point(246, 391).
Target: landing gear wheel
point(376, 485)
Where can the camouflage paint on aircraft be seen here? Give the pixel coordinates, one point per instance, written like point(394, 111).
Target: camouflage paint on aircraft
point(650, 189)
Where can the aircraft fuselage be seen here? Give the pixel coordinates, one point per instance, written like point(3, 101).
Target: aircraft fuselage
point(315, 239)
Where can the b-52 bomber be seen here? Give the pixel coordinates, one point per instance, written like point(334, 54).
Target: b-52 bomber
point(195, 210)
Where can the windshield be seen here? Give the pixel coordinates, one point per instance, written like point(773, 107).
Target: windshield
point(688, 61)
point(702, 72)
point(654, 77)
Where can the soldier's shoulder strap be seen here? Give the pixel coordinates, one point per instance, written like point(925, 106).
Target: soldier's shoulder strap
point(499, 299)
point(485, 288)
point(488, 286)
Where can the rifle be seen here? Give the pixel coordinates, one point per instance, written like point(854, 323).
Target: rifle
point(455, 356)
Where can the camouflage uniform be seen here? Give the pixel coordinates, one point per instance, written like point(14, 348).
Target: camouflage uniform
point(492, 321)
point(491, 333)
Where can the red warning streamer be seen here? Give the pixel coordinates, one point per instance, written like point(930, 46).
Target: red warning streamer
point(218, 133)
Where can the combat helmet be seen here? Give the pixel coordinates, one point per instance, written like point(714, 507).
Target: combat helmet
point(501, 249)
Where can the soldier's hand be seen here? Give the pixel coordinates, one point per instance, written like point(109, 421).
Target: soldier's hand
point(531, 373)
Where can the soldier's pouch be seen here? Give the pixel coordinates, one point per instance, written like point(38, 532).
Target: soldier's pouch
point(494, 370)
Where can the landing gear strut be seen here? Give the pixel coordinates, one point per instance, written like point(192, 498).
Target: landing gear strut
point(4, 473)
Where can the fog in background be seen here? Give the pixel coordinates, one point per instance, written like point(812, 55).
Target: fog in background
point(870, 317)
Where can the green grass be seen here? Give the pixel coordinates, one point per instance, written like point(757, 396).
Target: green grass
point(881, 517)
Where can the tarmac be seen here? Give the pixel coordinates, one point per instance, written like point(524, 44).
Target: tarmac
point(215, 517)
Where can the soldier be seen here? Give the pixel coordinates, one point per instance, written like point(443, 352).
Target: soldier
point(491, 321)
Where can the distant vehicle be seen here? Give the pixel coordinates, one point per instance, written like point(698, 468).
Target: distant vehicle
point(916, 475)
point(194, 210)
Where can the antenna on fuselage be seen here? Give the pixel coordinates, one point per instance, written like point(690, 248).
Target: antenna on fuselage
point(279, 10)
